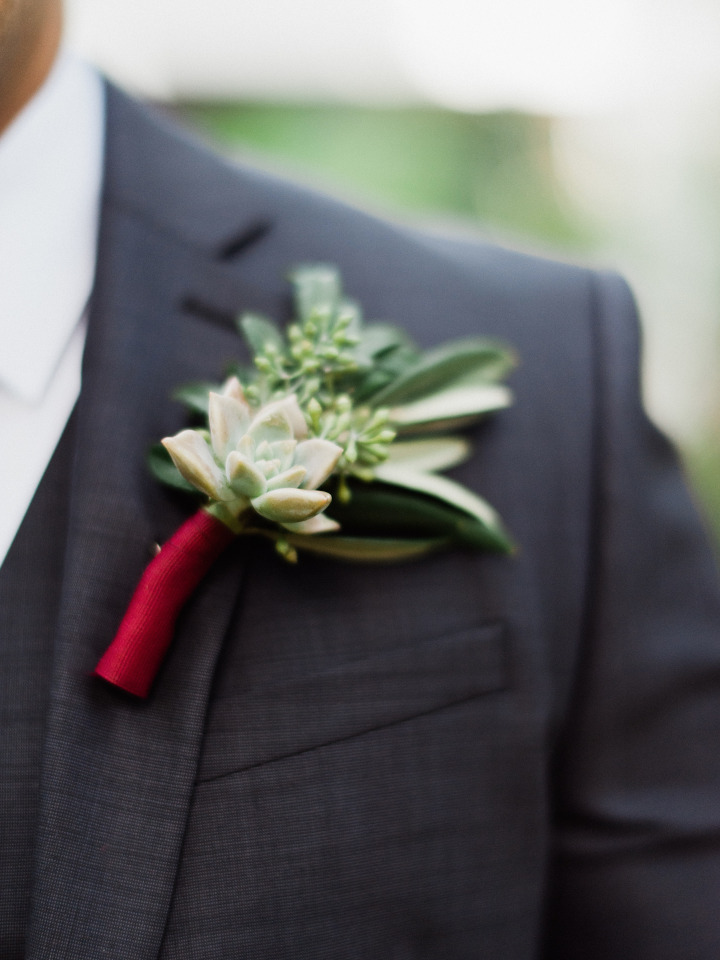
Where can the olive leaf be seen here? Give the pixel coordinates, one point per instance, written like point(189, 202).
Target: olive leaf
point(378, 509)
point(317, 290)
point(452, 408)
point(439, 368)
point(451, 493)
point(260, 333)
point(367, 549)
point(194, 396)
point(429, 454)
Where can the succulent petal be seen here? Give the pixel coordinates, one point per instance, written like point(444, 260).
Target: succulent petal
point(269, 468)
point(229, 419)
point(319, 457)
point(291, 408)
point(288, 478)
point(317, 524)
point(233, 388)
point(263, 451)
point(288, 505)
point(243, 476)
point(246, 447)
point(283, 450)
point(191, 455)
point(270, 425)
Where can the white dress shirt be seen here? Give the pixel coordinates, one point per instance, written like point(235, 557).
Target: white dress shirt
point(51, 160)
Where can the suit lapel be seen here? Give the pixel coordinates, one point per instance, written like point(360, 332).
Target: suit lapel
point(118, 773)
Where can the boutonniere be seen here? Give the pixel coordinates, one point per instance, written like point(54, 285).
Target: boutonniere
point(333, 443)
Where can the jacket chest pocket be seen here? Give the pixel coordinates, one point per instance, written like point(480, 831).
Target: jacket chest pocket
point(376, 809)
point(276, 720)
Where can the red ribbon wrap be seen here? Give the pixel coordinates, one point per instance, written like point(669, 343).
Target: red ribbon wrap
point(133, 659)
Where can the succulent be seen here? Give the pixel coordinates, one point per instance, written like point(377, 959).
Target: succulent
point(261, 461)
point(336, 409)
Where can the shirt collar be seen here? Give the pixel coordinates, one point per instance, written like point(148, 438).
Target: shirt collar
point(50, 181)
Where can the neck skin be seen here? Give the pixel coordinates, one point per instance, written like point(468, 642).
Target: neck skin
point(28, 47)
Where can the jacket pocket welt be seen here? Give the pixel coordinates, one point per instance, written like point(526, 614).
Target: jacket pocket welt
point(277, 720)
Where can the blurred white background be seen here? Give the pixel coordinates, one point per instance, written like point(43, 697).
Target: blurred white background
point(631, 89)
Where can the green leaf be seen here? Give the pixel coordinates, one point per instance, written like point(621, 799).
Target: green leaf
point(164, 470)
point(351, 309)
point(369, 382)
point(245, 373)
point(434, 453)
point(491, 372)
point(260, 333)
point(380, 338)
point(367, 549)
point(454, 404)
point(317, 289)
point(439, 368)
point(384, 370)
point(377, 509)
point(194, 396)
point(450, 492)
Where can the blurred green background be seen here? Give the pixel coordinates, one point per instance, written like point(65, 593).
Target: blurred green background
point(495, 174)
point(488, 171)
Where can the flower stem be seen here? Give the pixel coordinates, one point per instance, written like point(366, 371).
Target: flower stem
point(133, 659)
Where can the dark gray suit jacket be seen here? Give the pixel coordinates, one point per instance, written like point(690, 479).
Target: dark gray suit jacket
point(470, 756)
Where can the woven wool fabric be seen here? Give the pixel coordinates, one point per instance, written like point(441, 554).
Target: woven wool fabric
point(30, 585)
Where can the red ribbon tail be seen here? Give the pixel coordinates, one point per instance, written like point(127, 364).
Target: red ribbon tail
point(133, 659)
